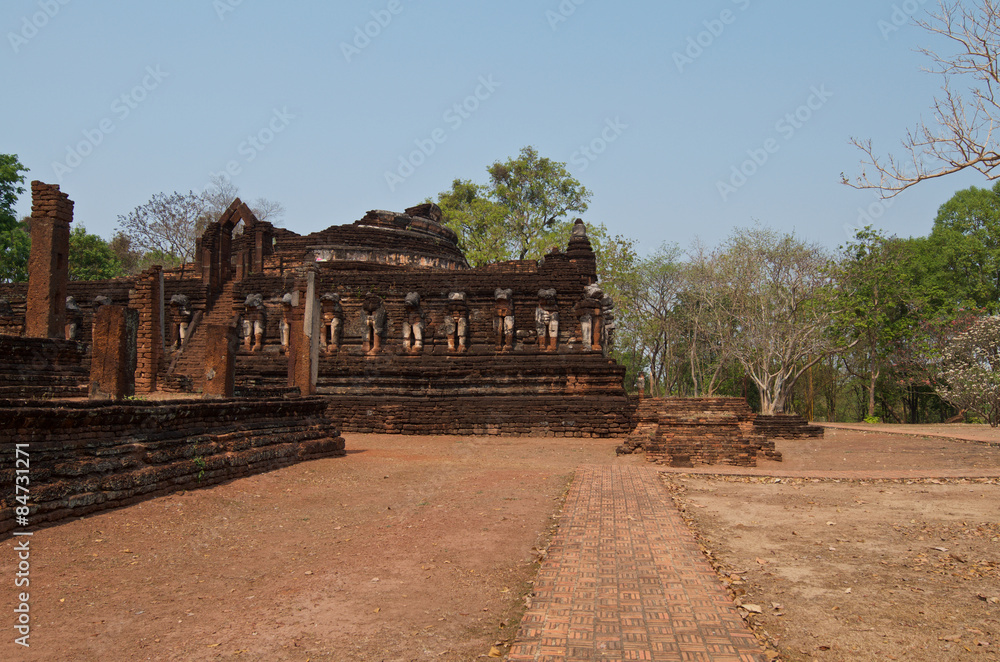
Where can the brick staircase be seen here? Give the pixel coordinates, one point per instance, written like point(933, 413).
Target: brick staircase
point(188, 372)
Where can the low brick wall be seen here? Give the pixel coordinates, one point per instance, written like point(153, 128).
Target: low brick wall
point(786, 426)
point(687, 432)
point(87, 457)
point(512, 416)
point(43, 368)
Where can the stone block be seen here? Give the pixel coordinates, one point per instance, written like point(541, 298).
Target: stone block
point(221, 345)
point(113, 356)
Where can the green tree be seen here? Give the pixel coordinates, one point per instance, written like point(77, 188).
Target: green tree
point(10, 188)
point(15, 249)
point(647, 292)
point(91, 258)
point(876, 301)
point(521, 213)
point(478, 221)
point(15, 242)
point(961, 256)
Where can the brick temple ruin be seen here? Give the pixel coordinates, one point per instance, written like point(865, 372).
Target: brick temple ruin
point(272, 343)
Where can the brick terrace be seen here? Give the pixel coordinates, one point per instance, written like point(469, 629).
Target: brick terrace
point(625, 580)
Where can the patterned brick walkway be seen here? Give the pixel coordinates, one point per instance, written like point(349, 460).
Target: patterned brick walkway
point(625, 580)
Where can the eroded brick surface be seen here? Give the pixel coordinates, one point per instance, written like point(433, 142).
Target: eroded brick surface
point(624, 579)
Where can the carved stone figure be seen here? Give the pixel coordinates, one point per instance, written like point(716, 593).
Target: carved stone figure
point(73, 319)
point(456, 324)
point(503, 323)
point(101, 300)
point(608, 324)
point(413, 324)
point(180, 318)
point(333, 322)
point(589, 311)
point(254, 323)
point(376, 323)
point(284, 326)
point(547, 320)
point(641, 384)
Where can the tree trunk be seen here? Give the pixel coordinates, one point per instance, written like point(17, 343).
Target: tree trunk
point(873, 377)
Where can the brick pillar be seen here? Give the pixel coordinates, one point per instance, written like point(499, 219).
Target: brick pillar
point(113, 354)
point(148, 300)
point(48, 266)
point(221, 341)
point(304, 334)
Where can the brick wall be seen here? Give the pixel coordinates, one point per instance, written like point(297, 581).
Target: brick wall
point(687, 432)
point(786, 426)
point(86, 457)
point(43, 368)
point(509, 416)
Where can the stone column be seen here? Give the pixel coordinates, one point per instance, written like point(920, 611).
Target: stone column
point(113, 353)
point(221, 341)
point(304, 334)
point(148, 300)
point(48, 266)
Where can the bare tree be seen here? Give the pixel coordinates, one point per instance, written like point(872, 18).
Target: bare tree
point(774, 290)
point(221, 192)
point(964, 136)
point(167, 226)
point(218, 195)
point(707, 326)
point(268, 210)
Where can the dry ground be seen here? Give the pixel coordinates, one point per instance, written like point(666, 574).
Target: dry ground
point(861, 570)
point(420, 548)
point(409, 548)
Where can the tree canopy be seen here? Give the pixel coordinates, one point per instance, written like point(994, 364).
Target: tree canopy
point(15, 244)
point(10, 189)
point(520, 213)
point(91, 258)
point(168, 224)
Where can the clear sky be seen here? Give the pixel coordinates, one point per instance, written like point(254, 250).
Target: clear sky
point(336, 108)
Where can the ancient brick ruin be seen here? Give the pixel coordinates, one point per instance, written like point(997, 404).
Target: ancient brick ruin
point(376, 326)
point(87, 457)
point(51, 214)
point(687, 432)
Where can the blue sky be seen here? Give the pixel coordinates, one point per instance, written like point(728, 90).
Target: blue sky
point(336, 108)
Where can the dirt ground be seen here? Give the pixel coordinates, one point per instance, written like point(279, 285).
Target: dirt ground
point(409, 548)
point(422, 548)
point(861, 570)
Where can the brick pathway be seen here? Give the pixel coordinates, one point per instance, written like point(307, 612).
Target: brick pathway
point(625, 580)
